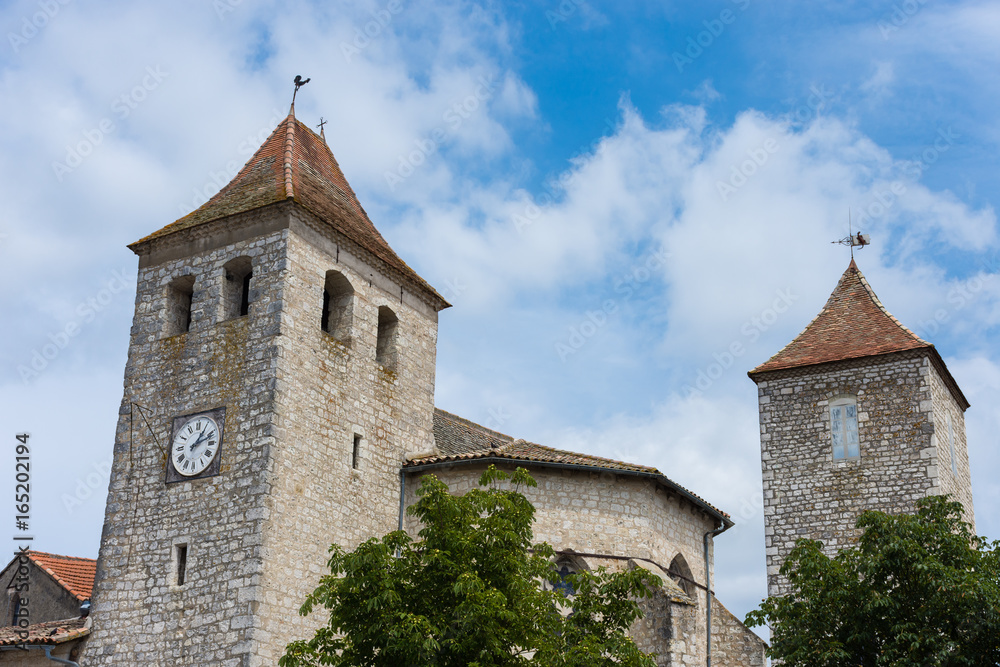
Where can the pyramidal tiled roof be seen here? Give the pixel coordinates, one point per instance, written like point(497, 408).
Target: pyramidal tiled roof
point(74, 574)
point(295, 163)
point(459, 440)
point(853, 324)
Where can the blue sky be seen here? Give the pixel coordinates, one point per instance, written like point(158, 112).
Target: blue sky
point(611, 195)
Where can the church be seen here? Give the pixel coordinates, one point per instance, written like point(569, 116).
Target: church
point(279, 397)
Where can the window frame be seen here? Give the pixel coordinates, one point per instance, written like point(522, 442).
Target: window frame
point(843, 404)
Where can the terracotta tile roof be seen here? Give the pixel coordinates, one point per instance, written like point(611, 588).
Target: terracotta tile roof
point(52, 632)
point(74, 574)
point(460, 440)
point(295, 163)
point(853, 324)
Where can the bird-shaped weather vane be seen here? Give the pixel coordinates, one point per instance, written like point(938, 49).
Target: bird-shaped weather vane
point(853, 240)
point(299, 82)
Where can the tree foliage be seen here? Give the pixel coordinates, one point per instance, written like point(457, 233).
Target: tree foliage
point(917, 590)
point(469, 593)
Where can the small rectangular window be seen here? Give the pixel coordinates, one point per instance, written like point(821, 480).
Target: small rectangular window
point(182, 552)
point(844, 430)
point(356, 452)
point(178, 310)
point(236, 288)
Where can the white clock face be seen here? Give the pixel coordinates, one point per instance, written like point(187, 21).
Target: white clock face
point(195, 445)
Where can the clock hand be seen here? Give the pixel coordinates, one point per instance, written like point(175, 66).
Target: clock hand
point(198, 441)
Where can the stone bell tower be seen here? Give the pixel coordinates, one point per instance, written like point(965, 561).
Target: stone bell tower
point(856, 413)
point(280, 370)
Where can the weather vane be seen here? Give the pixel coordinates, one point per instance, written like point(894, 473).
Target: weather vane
point(320, 126)
point(299, 82)
point(853, 240)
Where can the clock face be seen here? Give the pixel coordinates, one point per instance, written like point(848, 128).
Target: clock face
point(195, 445)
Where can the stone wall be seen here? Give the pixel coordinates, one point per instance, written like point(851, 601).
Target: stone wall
point(289, 486)
point(35, 656)
point(328, 391)
point(733, 644)
point(958, 486)
point(619, 515)
point(141, 615)
point(47, 600)
point(809, 495)
point(597, 512)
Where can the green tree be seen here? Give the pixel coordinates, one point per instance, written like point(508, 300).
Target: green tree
point(469, 593)
point(917, 590)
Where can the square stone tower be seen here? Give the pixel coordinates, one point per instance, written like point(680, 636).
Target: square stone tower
point(280, 370)
point(856, 413)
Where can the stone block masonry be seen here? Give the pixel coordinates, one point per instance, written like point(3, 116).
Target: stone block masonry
point(901, 403)
point(291, 480)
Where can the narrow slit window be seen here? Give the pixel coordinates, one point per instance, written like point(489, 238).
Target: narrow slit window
point(338, 306)
point(236, 288)
point(178, 312)
point(356, 452)
point(951, 447)
point(182, 552)
point(385, 346)
point(844, 429)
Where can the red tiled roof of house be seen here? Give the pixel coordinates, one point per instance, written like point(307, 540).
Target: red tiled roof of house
point(295, 163)
point(74, 574)
point(51, 632)
point(460, 440)
point(853, 324)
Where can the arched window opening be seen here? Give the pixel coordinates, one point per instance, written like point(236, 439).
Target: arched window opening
point(844, 428)
point(385, 346)
point(681, 573)
point(178, 311)
point(236, 288)
point(565, 566)
point(338, 306)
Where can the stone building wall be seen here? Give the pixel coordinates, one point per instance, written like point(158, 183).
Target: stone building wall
point(258, 533)
point(733, 644)
point(328, 391)
point(959, 486)
point(597, 512)
point(35, 656)
point(605, 513)
point(809, 495)
point(141, 615)
point(48, 601)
